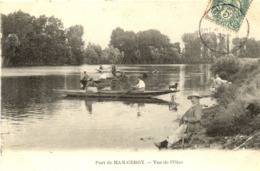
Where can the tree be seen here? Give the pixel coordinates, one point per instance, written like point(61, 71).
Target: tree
point(11, 43)
point(126, 42)
point(91, 56)
point(192, 47)
point(152, 41)
point(111, 55)
point(150, 46)
point(74, 38)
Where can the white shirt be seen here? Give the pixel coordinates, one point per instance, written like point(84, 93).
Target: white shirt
point(140, 84)
point(103, 75)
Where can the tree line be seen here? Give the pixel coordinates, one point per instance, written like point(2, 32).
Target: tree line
point(29, 40)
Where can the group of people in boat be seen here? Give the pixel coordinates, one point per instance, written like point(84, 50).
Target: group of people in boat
point(88, 83)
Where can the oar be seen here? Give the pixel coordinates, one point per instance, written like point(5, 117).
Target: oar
point(125, 93)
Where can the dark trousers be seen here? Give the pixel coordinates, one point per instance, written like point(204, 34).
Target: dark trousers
point(83, 82)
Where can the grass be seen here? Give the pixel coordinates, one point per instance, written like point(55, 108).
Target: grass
point(231, 117)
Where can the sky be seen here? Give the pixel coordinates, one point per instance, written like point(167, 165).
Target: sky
point(99, 18)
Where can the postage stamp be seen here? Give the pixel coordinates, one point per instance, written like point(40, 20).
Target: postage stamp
point(228, 13)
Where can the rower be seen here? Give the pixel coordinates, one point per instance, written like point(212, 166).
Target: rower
point(140, 86)
point(84, 79)
point(101, 67)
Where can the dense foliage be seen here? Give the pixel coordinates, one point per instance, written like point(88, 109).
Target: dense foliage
point(145, 47)
point(42, 41)
point(28, 40)
point(226, 66)
point(232, 115)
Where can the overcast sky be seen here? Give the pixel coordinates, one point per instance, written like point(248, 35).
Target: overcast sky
point(99, 18)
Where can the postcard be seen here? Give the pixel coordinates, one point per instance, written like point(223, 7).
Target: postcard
point(130, 85)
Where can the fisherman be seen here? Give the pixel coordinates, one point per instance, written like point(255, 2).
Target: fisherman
point(91, 86)
point(190, 123)
point(140, 86)
point(217, 82)
point(84, 79)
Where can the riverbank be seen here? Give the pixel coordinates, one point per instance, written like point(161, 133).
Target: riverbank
point(235, 122)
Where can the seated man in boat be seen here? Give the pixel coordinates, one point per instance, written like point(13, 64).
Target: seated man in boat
point(101, 67)
point(140, 86)
point(91, 86)
point(190, 123)
point(84, 79)
point(113, 70)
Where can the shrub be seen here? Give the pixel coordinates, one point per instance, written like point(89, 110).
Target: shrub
point(227, 66)
point(232, 118)
point(225, 94)
point(246, 69)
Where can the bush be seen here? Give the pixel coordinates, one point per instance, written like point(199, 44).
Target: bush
point(226, 66)
point(232, 117)
point(245, 70)
point(225, 94)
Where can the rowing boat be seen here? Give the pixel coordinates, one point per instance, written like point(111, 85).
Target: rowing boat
point(113, 93)
point(126, 100)
point(104, 70)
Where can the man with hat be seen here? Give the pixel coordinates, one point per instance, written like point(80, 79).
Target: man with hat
point(190, 123)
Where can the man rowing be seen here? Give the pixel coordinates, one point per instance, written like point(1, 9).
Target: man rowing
point(84, 79)
point(140, 86)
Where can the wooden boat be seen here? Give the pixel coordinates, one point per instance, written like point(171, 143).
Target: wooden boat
point(113, 93)
point(126, 100)
point(104, 70)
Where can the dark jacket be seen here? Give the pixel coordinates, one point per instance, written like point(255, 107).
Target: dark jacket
point(193, 118)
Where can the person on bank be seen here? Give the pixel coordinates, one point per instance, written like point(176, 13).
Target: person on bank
point(190, 123)
point(140, 86)
point(84, 79)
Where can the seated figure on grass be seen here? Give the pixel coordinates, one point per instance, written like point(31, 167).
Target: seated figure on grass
point(190, 124)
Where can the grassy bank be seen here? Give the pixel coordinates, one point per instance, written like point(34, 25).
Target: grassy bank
point(237, 115)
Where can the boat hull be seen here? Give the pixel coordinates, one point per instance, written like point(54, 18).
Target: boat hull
point(113, 94)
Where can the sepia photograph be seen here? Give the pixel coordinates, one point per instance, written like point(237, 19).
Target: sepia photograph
point(126, 84)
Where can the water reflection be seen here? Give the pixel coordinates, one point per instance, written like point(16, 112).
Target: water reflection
point(88, 104)
point(29, 106)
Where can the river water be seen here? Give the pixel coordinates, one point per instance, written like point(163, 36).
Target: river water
point(34, 117)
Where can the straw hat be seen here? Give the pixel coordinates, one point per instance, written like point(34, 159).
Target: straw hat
point(194, 95)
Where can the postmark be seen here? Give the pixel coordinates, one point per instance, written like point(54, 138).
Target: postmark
point(228, 13)
point(212, 32)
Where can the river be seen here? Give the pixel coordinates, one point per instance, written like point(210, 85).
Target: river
point(35, 118)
